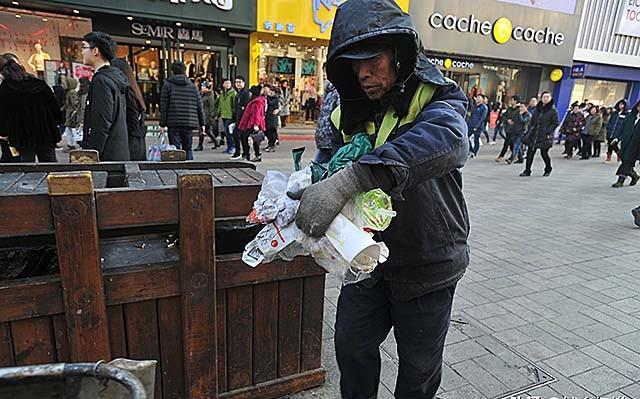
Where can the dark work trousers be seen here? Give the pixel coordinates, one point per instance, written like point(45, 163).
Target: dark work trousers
point(597, 148)
point(237, 140)
point(568, 147)
point(364, 318)
point(626, 169)
point(227, 134)
point(612, 147)
point(585, 150)
point(244, 140)
point(182, 138)
point(544, 153)
point(272, 136)
point(43, 154)
point(508, 144)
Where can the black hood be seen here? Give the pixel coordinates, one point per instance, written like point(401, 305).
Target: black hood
point(541, 107)
point(359, 20)
point(116, 75)
point(180, 80)
point(31, 85)
point(621, 101)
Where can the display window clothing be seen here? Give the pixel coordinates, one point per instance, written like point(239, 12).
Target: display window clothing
point(284, 94)
point(226, 102)
point(29, 116)
point(105, 120)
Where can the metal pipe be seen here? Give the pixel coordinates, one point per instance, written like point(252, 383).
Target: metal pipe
point(63, 370)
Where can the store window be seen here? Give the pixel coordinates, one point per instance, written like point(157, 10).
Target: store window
point(598, 92)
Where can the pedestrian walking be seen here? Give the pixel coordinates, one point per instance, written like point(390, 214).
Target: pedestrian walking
point(591, 130)
point(271, 117)
point(544, 122)
point(181, 110)
point(29, 115)
point(105, 121)
point(476, 123)
point(309, 99)
point(324, 131)
point(614, 129)
point(70, 110)
point(375, 60)
point(225, 110)
point(485, 126)
point(253, 124)
point(572, 128)
point(211, 114)
point(508, 120)
point(630, 148)
point(521, 124)
point(136, 112)
point(241, 100)
point(284, 94)
point(602, 134)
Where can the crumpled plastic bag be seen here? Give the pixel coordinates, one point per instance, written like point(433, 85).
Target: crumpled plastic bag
point(359, 145)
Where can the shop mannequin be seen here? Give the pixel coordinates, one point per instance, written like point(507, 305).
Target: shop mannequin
point(37, 59)
point(154, 73)
point(191, 68)
point(501, 92)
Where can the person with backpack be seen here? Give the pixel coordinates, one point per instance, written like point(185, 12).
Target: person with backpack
point(136, 111)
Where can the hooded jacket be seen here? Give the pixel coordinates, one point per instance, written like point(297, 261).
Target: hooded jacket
point(29, 114)
point(181, 104)
point(616, 121)
point(427, 239)
point(105, 119)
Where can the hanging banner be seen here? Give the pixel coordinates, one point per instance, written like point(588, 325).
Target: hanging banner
point(630, 18)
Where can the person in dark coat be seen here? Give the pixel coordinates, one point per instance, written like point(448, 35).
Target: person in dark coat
point(540, 136)
point(7, 156)
point(181, 109)
point(136, 111)
point(571, 129)
point(520, 126)
point(105, 120)
point(271, 117)
point(614, 129)
point(324, 132)
point(477, 122)
point(29, 115)
point(239, 105)
point(630, 148)
point(382, 73)
point(508, 120)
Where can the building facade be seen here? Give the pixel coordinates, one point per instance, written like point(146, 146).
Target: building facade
point(500, 47)
point(606, 64)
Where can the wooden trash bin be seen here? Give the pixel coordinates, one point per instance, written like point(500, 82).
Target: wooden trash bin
point(218, 328)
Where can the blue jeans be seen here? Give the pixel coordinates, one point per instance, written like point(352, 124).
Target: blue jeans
point(364, 318)
point(517, 148)
point(182, 138)
point(227, 135)
point(476, 141)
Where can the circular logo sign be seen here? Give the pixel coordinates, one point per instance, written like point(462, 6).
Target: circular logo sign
point(448, 63)
point(556, 75)
point(502, 30)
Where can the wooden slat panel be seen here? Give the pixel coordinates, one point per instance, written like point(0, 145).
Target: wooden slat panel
point(221, 329)
point(289, 327)
point(198, 282)
point(117, 331)
point(232, 201)
point(63, 352)
point(151, 178)
point(254, 174)
point(23, 215)
point(312, 311)
point(27, 183)
point(239, 333)
point(232, 272)
point(281, 387)
point(141, 283)
point(33, 341)
point(133, 208)
point(6, 346)
point(224, 177)
point(26, 299)
point(265, 332)
point(133, 178)
point(170, 318)
point(7, 180)
point(168, 177)
point(240, 176)
point(141, 324)
point(74, 214)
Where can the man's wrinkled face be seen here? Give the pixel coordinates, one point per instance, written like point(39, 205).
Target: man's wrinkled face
point(376, 75)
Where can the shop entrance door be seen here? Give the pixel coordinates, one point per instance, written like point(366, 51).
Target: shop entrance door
point(199, 63)
point(465, 80)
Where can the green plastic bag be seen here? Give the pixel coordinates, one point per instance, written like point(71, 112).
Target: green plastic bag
point(360, 145)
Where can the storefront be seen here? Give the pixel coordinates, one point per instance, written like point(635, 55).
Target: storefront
point(211, 38)
point(291, 43)
point(499, 48)
point(606, 66)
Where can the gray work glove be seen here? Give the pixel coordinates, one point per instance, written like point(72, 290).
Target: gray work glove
point(321, 202)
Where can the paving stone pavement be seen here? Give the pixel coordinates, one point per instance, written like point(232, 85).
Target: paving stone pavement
point(549, 306)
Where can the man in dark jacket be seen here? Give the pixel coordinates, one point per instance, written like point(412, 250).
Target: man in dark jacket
point(614, 129)
point(105, 119)
point(520, 125)
point(508, 121)
point(181, 109)
point(630, 148)
point(240, 103)
point(415, 118)
point(476, 122)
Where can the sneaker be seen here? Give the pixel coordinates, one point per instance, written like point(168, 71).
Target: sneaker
point(257, 159)
point(235, 157)
point(636, 216)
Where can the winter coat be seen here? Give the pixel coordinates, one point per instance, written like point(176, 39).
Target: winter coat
point(630, 142)
point(136, 127)
point(324, 133)
point(478, 118)
point(29, 114)
point(572, 126)
point(239, 104)
point(271, 120)
point(254, 114)
point(180, 104)
point(521, 123)
point(602, 134)
point(593, 125)
point(105, 119)
point(616, 121)
point(427, 239)
point(210, 104)
point(284, 96)
point(225, 104)
point(70, 106)
point(511, 113)
point(543, 123)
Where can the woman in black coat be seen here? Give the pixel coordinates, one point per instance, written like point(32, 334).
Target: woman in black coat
point(136, 109)
point(29, 114)
point(630, 148)
point(540, 136)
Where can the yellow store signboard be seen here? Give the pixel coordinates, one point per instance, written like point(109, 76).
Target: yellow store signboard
point(304, 18)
